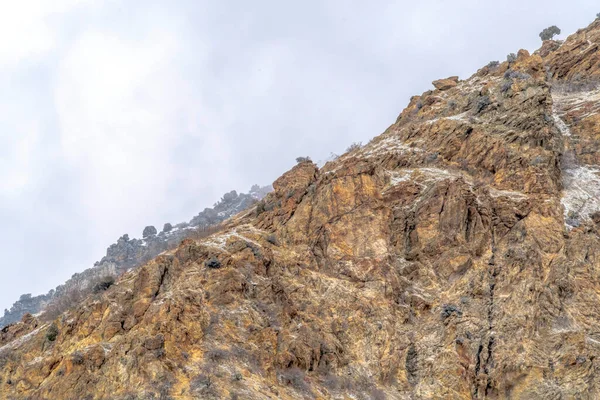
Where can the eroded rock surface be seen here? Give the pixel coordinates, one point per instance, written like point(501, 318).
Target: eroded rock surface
point(438, 261)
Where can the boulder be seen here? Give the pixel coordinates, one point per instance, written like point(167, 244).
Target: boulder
point(445, 84)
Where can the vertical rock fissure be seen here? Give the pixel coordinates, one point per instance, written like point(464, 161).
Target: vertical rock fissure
point(411, 364)
point(493, 273)
point(477, 369)
point(161, 281)
point(487, 364)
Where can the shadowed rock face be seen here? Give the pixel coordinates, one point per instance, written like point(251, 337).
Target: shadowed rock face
point(438, 261)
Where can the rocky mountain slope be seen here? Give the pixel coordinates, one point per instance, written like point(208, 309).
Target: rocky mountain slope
point(127, 253)
point(455, 256)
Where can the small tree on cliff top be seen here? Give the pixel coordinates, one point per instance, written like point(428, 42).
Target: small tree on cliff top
point(548, 33)
point(302, 159)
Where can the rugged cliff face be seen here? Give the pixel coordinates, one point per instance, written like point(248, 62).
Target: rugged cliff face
point(127, 253)
point(455, 256)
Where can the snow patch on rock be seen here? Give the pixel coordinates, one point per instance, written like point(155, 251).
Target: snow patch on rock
point(588, 101)
point(397, 177)
point(581, 195)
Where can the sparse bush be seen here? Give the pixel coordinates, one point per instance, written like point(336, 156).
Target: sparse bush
point(377, 394)
point(272, 239)
point(482, 103)
point(506, 85)
point(77, 358)
point(236, 376)
point(332, 382)
point(103, 284)
point(260, 208)
point(538, 160)
point(167, 227)
point(295, 377)
point(215, 355)
point(493, 64)
point(449, 309)
point(510, 74)
point(549, 33)
point(201, 382)
point(212, 324)
point(52, 332)
point(164, 388)
point(300, 160)
point(213, 263)
point(255, 250)
point(511, 58)
point(432, 157)
point(572, 219)
point(598, 16)
point(354, 146)
point(204, 383)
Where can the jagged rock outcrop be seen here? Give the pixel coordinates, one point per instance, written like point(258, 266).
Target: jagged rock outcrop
point(443, 259)
point(445, 84)
point(127, 253)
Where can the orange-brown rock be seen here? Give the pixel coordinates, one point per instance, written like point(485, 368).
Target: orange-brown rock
point(445, 84)
point(455, 256)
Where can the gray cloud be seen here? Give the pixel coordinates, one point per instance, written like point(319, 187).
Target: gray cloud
point(120, 114)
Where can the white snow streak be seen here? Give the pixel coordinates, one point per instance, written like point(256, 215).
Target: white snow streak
point(391, 144)
point(560, 124)
point(19, 341)
point(507, 193)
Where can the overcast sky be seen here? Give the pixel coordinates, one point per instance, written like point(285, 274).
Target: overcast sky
point(119, 114)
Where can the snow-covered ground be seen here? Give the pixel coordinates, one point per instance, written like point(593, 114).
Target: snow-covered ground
point(574, 101)
point(581, 183)
point(219, 240)
point(391, 144)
